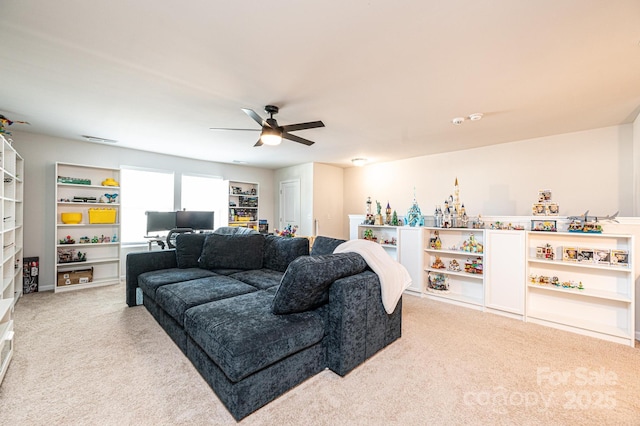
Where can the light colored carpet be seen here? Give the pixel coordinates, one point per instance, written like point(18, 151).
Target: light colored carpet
point(86, 358)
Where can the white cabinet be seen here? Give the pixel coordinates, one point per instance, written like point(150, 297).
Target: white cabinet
point(505, 272)
point(582, 283)
point(243, 204)
point(410, 241)
point(12, 168)
point(87, 246)
point(454, 265)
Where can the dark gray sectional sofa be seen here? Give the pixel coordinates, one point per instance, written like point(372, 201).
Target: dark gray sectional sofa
point(257, 315)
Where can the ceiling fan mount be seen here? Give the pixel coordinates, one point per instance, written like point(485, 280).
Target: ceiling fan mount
point(271, 133)
point(271, 109)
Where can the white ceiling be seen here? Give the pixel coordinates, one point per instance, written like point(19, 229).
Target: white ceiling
point(386, 77)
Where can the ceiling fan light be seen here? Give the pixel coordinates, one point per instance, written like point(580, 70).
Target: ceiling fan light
point(271, 137)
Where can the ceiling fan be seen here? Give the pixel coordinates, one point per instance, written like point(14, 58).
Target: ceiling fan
point(271, 132)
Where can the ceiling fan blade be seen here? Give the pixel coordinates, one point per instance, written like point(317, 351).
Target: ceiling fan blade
point(298, 139)
point(251, 113)
point(259, 143)
point(243, 130)
point(302, 126)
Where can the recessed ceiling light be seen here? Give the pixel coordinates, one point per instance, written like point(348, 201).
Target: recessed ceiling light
point(458, 121)
point(359, 162)
point(476, 116)
point(99, 140)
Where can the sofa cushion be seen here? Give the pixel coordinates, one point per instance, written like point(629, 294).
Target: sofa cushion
point(305, 284)
point(279, 252)
point(176, 298)
point(241, 335)
point(149, 282)
point(324, 245)
point(233, 230)
point(238, 251)
point(260, 278)
point(188, 249)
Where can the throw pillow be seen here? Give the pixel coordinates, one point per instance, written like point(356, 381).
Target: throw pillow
point(324, 245)
point(239, 251)
point(279, 252)
point(188, 249)
point(305, 284)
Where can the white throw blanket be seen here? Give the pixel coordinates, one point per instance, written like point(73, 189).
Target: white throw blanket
point(394, 277)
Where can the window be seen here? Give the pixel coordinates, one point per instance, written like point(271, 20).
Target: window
point(143, 190)
point(205, 193)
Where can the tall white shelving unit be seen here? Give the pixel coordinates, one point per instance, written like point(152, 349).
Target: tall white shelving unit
point(12, 167)
point(243, 204)
point(102, 255)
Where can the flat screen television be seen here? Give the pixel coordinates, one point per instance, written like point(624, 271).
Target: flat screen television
point(196, 220)
point(160, 221)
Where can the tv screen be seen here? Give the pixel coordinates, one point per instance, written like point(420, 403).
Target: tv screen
point(160, 221)
point(194, 220)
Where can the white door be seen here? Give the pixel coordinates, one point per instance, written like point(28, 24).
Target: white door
point(289, 203)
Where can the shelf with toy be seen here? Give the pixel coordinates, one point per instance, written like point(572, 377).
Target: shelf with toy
point(589, 277)
point(385, 235)
point(452, 252)
point(243, 204)
point(455, 255)
point(87, 227)
point(586, 292)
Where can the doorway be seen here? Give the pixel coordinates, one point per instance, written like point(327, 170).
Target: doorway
point(289, 204)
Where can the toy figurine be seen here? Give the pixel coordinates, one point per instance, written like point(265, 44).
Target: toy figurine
point(394, 219)
point(437, 283)
point(454, 265)
point(388, 212)
point(438, 263)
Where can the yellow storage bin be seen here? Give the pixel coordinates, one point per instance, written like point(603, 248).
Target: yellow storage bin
point(106, 215)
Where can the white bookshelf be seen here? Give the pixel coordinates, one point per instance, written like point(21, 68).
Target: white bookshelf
point(11, 193)
point(102, 249)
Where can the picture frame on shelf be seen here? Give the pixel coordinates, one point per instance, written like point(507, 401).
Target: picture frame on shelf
point(544, 195)
point(585, 255)
point(619, 257)
point(569, 254)
point(602, 256)
point(539, 209)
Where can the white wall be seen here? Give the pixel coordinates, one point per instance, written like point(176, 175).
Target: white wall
point(321, 197)
point(40, 154)
point(589, 170)
point(636, 165)
point(328, 203)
